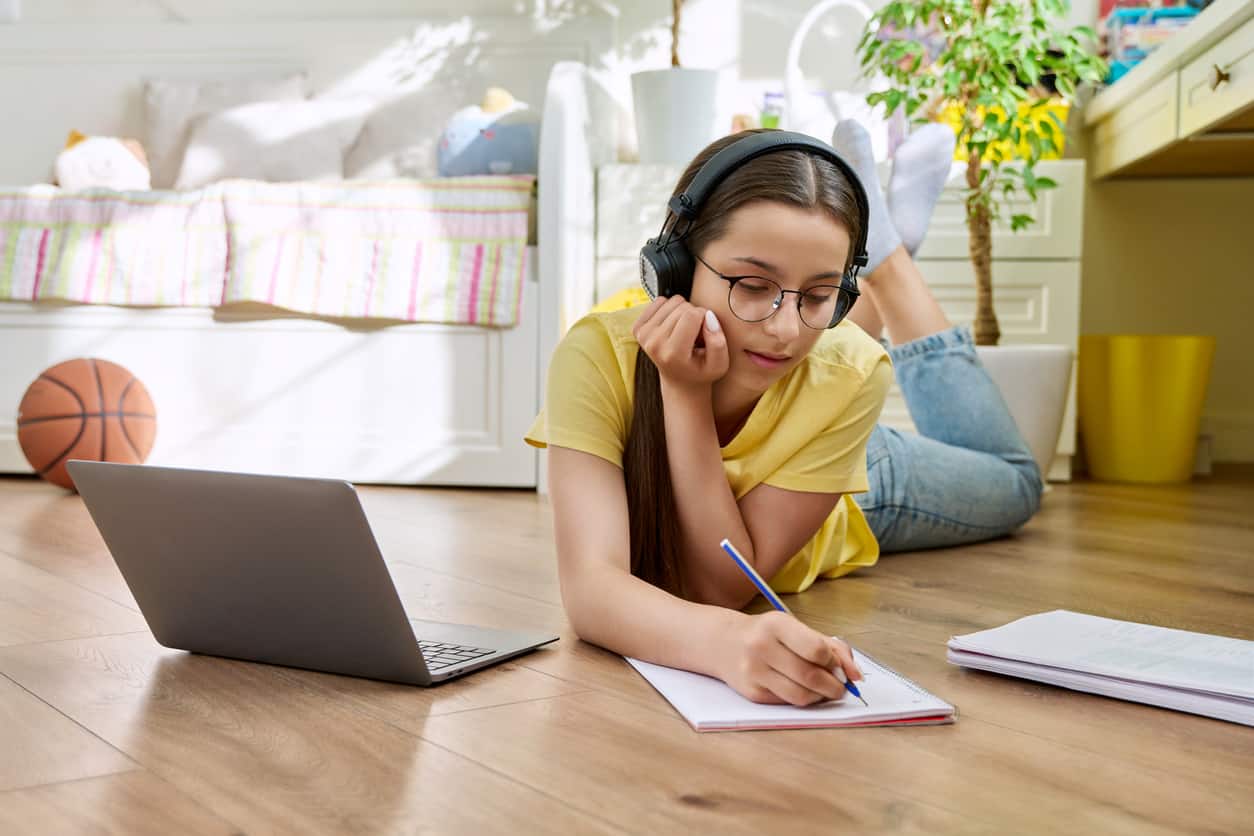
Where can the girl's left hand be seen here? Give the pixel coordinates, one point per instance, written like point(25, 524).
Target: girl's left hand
point(685, 342)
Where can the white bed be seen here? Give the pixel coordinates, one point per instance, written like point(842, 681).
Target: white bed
point(264, 390)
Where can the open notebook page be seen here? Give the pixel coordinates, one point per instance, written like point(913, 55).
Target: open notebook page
point(1136, 652)
point(711, 705)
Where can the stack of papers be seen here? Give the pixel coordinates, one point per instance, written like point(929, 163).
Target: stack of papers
point(711, 705)
point(1194, 672)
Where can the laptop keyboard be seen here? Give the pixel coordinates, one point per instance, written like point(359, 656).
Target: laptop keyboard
point(442, 654)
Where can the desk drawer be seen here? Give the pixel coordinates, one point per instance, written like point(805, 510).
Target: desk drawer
point(1200, 105)
point(1137, 129)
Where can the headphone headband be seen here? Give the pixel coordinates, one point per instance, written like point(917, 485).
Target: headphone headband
point(686, 205)
point(667, 266)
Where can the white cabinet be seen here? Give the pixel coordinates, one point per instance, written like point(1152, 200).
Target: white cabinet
point(1055, 234)
point(1036, 272)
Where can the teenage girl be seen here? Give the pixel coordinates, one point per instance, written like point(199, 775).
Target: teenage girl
point(742, 403)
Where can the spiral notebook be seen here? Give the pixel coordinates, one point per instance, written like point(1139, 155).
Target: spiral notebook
point(709, 704)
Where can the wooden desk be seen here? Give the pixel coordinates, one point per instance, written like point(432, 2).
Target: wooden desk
point(102, 729)
point(1186, 110)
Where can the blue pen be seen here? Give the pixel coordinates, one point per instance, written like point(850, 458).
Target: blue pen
point(769, 595)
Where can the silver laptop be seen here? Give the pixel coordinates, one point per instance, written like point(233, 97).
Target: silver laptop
point(273, 569)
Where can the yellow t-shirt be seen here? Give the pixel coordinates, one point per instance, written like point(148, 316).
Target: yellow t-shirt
point(808, 432)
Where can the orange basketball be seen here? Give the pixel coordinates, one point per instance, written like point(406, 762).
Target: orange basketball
point(84, 409)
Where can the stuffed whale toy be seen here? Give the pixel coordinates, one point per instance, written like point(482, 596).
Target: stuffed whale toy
point(499, 136)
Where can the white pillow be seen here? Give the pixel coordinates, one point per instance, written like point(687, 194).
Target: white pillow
point(400, 135)
point(275, 141)
point(170, 106)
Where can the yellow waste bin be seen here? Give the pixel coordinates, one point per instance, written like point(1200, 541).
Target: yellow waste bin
point(1140, 403)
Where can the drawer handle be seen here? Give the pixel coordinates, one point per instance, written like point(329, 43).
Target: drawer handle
point(1218, 77)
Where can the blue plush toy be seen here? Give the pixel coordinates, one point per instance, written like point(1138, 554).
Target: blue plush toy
point(501, 136)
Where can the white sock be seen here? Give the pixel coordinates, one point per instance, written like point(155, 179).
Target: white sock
point(851, 141)
point(920, 167)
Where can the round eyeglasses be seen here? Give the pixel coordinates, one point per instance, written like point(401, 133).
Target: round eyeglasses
point(755, 298)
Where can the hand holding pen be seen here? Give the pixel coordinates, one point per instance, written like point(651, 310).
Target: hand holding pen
point(775, 602)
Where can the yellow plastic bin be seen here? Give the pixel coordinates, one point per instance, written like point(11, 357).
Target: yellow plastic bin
point(1140, 402)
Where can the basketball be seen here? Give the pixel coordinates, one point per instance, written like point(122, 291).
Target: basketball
point(84, 409)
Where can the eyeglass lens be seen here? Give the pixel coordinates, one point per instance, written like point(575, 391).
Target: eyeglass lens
point(753, 298)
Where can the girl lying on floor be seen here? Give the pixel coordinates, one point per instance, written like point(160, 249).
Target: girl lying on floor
point(742, 403)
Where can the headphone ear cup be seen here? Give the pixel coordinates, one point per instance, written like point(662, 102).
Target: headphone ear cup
point(653, 263)
point(680, 271)
point(666, 270)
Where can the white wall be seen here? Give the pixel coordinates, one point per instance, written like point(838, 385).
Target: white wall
point(715, 34)
point(106, 11)
point(747, 39)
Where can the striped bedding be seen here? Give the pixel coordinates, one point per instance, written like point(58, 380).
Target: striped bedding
point(448, 250)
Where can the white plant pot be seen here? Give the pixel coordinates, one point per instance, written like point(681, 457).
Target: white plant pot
point(675, 113)
point(1035, 381)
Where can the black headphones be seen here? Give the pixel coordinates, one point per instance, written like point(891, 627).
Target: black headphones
point(666, 265)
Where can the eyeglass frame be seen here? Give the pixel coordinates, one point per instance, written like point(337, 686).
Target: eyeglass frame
point(843, 287)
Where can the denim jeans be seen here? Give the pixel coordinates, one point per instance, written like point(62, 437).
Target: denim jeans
point(967, 475)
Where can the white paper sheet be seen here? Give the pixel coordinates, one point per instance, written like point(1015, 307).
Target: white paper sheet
point(1124, 649)
point(1177, 669)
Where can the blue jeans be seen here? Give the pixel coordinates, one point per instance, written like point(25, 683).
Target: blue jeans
point(968, 475)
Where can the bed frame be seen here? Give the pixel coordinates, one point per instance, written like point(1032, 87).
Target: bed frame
point(260, 390)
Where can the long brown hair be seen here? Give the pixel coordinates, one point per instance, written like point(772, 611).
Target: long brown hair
point(792, 177)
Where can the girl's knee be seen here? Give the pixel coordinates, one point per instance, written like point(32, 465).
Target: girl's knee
point(1029, 489)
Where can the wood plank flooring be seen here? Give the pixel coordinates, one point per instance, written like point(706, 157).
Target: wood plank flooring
point(104, 731)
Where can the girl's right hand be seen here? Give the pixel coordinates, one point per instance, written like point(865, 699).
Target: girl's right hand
point(774, 658)
point(685, 342)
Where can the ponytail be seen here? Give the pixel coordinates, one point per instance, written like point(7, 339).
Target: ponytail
point(654, 519)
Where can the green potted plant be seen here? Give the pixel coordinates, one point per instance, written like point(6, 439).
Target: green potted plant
point(675, 107)
point(1003, 72)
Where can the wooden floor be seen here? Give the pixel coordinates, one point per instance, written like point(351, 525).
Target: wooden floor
point(102, 730)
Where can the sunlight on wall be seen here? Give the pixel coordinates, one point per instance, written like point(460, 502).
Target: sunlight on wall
point(412, 62)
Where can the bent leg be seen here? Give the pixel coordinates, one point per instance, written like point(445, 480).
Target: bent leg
point(967, 475)
point(926, 494)
point(951, 397)
point(894, 293)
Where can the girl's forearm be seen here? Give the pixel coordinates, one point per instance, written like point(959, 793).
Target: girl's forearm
point(616, 610)
point(707, 509)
